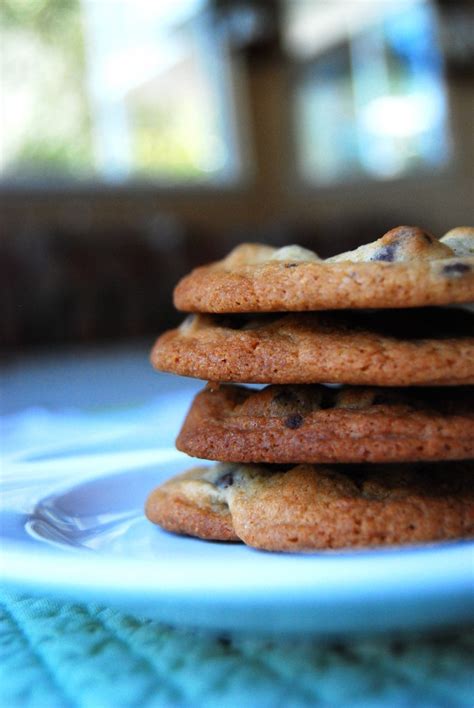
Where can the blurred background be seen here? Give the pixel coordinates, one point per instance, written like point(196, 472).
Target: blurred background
point(139, 139)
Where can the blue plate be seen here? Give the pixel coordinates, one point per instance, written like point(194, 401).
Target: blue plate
point(72, 526)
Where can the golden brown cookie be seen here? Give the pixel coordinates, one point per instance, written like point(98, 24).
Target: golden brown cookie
point(309, 507)
point(313, 423)
point(427, 346)
point(407, 267)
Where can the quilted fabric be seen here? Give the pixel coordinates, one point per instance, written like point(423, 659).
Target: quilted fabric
point(55, 655)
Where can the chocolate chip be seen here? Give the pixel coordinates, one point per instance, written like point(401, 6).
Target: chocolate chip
point(293, 421)
point(456, 269)
point(291, 265)
point(225, 480)
point(386, 253)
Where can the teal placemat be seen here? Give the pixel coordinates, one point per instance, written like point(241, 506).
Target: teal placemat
point(56, 654)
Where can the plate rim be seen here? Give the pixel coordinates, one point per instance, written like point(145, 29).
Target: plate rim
point(326, 592)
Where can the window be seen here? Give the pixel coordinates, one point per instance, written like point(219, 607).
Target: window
point(374, 102)
point(116, 91)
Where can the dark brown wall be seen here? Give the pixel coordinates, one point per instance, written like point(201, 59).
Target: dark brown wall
point(94, 263)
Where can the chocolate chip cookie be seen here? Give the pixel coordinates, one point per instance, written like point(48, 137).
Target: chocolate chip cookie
point(311, 507)
point(414, 347)
point(312, 423)
point(407, 267)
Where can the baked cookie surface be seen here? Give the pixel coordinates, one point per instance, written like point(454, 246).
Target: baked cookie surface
point(310, 507)
point(407, 267)
point(313, 423)
point(426, 346)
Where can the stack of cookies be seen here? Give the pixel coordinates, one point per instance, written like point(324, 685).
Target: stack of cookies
point(363, 434)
